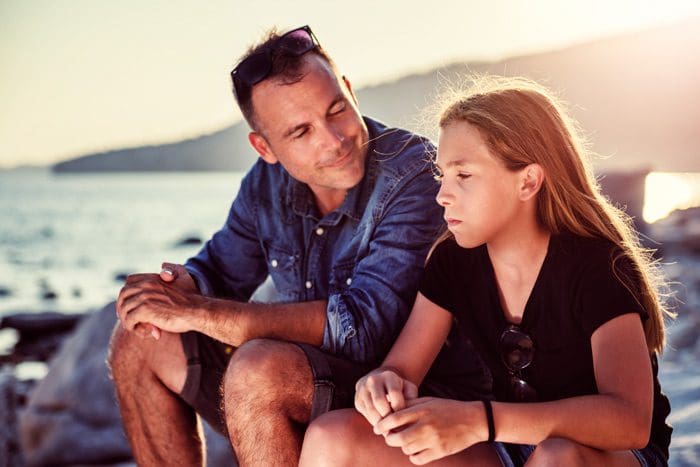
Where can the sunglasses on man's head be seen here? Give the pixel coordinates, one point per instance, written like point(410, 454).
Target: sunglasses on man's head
point(517, 353)
point(256, 67)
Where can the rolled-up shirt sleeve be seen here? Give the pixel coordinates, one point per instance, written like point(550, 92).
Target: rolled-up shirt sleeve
point(365, 319)
point(231, 264)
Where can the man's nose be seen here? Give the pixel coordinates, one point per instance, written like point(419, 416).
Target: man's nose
point(333, 136)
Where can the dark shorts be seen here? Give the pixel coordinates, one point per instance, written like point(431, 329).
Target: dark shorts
point(207, 360)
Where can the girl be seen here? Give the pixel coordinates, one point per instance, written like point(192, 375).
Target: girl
point(548, 281)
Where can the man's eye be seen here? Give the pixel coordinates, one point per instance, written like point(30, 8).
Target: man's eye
point(338, 109)
point(299, 134)
point(437, 174)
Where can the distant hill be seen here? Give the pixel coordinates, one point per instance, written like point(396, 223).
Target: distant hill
point(637, 96)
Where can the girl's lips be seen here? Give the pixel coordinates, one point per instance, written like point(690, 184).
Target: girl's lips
point(452, 222)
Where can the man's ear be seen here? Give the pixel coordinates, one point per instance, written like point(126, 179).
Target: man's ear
point(261, 146)
point(349, 86)
point(531, 180)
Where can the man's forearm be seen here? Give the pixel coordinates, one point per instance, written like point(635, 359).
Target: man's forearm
point(235, 323)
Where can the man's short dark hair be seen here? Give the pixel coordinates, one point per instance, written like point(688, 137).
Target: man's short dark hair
point(285, 67)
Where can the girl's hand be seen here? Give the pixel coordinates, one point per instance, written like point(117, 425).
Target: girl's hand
point(431, 428)
point(381, 392)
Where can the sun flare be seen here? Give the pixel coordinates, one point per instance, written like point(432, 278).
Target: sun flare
point(665, 192)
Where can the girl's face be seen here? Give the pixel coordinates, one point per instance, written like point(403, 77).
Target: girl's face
point(479, 194)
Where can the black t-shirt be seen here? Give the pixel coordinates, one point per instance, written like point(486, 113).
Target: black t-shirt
point(576, 292)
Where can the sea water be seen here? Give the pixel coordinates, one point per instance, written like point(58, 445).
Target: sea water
point(66, 241)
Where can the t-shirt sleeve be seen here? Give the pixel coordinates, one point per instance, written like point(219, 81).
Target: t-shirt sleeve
point(603, 294)
point(438, 276)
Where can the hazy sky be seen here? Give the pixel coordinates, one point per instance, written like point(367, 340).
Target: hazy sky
point(80, 76)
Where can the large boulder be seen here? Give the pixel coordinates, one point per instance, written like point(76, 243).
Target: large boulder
point(72, 416)
point(10, 453)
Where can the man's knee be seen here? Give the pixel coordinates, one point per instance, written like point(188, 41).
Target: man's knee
point(557, 451)
point(131, 356)
point(121, 349)
point(264, 362)
point(267, 372)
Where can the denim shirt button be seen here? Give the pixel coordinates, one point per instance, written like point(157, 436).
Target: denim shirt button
point(319, 231)
point(273, 263)
point(349, 280)
point(308, 284)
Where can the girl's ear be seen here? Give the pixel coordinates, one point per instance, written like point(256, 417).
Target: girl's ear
point(532, 178)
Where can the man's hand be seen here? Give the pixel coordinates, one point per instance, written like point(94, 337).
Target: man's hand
point(150, 302)
point(430, 428)
point(381, 392)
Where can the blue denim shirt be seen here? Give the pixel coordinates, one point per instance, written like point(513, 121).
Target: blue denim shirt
point(366, 257)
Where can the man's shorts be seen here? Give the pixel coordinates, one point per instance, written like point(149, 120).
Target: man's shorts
point(207, 359)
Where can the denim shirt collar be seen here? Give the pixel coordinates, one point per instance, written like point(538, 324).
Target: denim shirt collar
point(301, 200)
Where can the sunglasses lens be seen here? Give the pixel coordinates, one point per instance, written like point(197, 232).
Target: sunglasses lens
point(257, 67)
point(296, 42)
point(522, 391)
point(517, 349)
point(254, 68)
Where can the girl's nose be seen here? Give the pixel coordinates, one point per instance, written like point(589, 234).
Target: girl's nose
point(443, 197)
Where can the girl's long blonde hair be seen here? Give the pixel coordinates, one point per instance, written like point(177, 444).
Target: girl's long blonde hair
point(523, 123)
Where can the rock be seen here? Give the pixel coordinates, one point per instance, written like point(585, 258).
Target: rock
point(187, 241)
point(121, 276)
point(49, 295)
point(40, 334)
point(72, 416)
point(10, 452)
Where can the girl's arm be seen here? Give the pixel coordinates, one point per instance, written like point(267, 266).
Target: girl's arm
point(386, 389)
point(619, 417)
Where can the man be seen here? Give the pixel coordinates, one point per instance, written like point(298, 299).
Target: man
point(340, 211)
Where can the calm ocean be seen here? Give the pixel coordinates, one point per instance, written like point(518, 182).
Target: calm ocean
point(73, 234)
point(70, 236)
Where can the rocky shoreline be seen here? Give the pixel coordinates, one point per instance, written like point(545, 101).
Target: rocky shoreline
point(70, 417)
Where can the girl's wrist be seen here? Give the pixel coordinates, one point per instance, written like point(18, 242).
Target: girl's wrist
point(390, 368)
point(490, 424)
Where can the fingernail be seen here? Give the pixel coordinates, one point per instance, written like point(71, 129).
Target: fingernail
point(167, 271)
point(154, 333)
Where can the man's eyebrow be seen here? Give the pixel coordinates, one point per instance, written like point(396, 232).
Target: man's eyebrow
point(339, 98)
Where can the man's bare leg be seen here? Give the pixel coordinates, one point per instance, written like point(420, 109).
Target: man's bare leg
point(148, 375)
point(267, 393)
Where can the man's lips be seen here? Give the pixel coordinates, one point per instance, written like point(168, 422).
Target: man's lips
point(340, 161)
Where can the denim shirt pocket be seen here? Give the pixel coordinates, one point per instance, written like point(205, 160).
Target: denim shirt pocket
point(341, 277)
point(284, 267)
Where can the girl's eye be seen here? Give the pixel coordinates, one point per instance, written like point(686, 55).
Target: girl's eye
point(463, 176)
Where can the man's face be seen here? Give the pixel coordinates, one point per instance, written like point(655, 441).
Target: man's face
point(314, 129)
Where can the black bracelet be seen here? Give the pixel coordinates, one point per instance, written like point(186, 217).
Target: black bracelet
point(489, 420)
